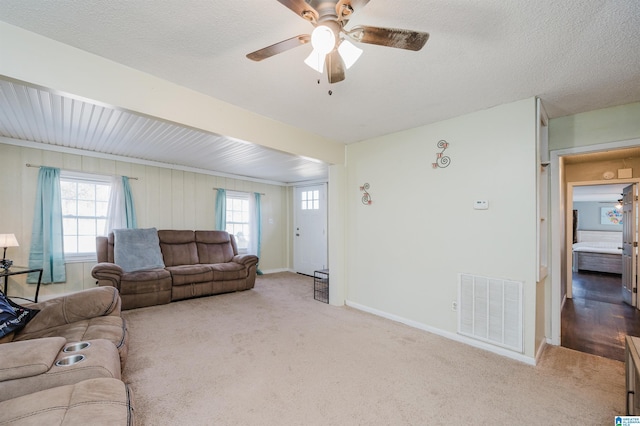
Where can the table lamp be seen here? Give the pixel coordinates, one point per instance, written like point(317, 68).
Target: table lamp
point(7, 240)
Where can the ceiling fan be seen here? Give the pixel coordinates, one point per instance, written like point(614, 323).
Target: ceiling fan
point(330, 39)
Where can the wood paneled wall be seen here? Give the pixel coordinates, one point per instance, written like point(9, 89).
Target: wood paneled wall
point(165, 198)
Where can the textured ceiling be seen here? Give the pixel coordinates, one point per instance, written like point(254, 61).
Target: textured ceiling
point(577, 55)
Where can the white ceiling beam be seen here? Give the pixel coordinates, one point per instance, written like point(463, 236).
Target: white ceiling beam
point(41, 61)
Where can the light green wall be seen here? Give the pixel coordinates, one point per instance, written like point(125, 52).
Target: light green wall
point(164, 198)
point(613, 124)
point(406, 249)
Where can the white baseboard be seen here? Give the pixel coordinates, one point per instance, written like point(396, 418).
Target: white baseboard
point(275, 271)
point(541, 349)
point(452, 336)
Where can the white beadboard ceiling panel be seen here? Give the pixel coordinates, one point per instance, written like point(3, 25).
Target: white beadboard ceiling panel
point(36, 114)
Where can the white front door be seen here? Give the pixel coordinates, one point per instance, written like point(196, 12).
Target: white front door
point(310, 229)
point(629, 245)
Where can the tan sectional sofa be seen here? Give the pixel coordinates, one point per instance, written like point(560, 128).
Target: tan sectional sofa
point(101, 401)
point(196, 263)
point(85, 315)
point(64, 365)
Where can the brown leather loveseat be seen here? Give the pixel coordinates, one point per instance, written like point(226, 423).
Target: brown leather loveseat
point(196, 263)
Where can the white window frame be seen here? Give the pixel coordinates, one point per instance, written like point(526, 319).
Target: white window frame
point(79, 177)
point(244, 196)
point(310, 200)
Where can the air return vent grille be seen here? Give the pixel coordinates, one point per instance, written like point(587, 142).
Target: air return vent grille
point(490, 309)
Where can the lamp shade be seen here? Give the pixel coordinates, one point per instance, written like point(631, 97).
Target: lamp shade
point(8, 240)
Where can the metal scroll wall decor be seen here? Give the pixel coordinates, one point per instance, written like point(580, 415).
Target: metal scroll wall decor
point(366, 197)
point(442, 161)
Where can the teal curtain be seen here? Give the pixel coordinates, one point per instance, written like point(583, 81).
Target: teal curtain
point(129, 207)
point(258, 230)
point(221, 210)
point(47, 245)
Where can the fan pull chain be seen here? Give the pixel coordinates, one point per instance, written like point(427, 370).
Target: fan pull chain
point(330, 92)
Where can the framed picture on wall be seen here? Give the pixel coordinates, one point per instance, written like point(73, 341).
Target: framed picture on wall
point(610, 216)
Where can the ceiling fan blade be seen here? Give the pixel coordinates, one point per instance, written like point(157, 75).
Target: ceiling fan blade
point(390, 37)
point(279, 47)
point(301, 8)
point(335, 67)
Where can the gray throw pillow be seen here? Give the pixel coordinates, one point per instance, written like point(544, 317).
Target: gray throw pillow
point(137, 249)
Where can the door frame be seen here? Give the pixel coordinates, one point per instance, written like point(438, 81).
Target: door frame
point(325, 222)
point(558, 228)
point(629, 275)
point(569, 218)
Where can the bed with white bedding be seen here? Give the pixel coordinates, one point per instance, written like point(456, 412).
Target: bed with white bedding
point(599, 251)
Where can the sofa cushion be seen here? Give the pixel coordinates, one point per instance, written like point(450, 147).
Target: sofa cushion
point(178, 247)
point(28, 358)
point(214, 247)
point(83, 305)
point(137, 249)
point(145, 282)
point(103, 401)
point(13, 317)
point(189, 274)
point(228, 271)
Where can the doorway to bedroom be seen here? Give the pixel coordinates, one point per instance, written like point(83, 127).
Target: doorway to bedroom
point(595, 318)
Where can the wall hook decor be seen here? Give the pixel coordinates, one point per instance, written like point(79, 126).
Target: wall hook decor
point(366, 197)
point(441, 160)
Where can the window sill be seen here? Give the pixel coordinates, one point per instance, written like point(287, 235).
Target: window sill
point(80, 258)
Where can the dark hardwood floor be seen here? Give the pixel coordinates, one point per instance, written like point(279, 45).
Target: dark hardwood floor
point(596, 320)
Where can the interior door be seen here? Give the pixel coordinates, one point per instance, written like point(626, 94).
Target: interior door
point(629, 244)
point(310, 229)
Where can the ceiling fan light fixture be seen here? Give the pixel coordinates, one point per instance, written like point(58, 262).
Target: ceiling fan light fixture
point(323, 39)
point(316, 61)
point(349, 53)
point(330, 49)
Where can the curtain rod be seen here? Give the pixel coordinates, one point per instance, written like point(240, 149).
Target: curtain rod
point(79, 171)
point(235, 190)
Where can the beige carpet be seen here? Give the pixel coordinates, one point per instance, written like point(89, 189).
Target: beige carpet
point(275, 356)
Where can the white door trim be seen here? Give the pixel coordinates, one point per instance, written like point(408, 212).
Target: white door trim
point(569, 218)
point(306, 257)
point(557, 213)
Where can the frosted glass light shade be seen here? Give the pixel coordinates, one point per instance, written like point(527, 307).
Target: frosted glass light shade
point(316, 61)
point(323, 39)
point(349, 53)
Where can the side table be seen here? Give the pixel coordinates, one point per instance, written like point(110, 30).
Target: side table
point(18, 270)
point(321, 285)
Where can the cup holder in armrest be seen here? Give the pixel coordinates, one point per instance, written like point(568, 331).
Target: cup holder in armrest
point(70, 360)
point(76, 347)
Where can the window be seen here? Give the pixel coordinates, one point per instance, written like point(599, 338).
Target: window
point(238, 219)
point(310, 200)
point(85, 203)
